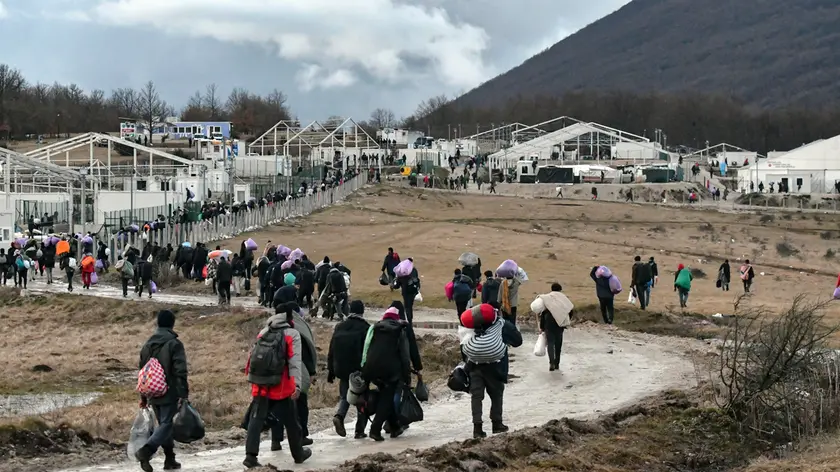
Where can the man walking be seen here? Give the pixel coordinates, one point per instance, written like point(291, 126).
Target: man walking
point(641, 277)
point(344, 358)
point(164, 347)
point(224, 276)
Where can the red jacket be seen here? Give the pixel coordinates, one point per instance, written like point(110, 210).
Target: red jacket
point(288, 384)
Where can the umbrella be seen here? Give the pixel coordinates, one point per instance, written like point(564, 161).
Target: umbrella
point(220, 253)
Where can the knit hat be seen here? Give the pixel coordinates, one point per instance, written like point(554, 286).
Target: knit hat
point(289, 279)
point(479, 316)
point(166, 319)
point(391, 314)
point(680, 267)
point(357, 307)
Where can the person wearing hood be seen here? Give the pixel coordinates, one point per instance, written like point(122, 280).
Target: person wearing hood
point(164, 346)
point(306, 283)
point(287, 293)
point(554, 310)
point(413, 350)
point(336, 287)
point(305, 263)
point(48, 262)
point(485, 335)
point(386, 363)
point(321, 272)
point(344, 358)
point(490, 289)
point(462, 291)
point(392, 259)
point(682, 284)
point(276, 375)
point(145, 278)
point(199, 261)
point(606, 297)
point(309, 360)
point(724, 276)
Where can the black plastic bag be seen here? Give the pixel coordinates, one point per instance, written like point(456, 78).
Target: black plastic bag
point(383, 280)
point(459, 379)
point(421, 391)
point(187, 425)
point(410, 410)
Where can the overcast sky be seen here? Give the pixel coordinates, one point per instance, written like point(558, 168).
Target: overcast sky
point(331, 57)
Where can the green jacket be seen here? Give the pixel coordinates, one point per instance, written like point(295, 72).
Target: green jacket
point(683, 279)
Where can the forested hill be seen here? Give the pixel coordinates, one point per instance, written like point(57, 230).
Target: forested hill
point(766, 53)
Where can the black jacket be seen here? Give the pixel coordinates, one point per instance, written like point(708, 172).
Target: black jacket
point(224, 272)
point(262, 269)
point(321, 276)
point(49, 257)
point(185, 258)
point(346, 347)
point(146, 270)
point(490, 290)
point(307, 264)
point(169, 351)
point(238, 267)
point(199, 258)
point(654, 269)
point(387, 357)
point(306, 280)
point(727, 271)
point(391, 261)
point(409, 285)
point(641, 274)
point(602, 285)
point(336, 282)
point(276, 277)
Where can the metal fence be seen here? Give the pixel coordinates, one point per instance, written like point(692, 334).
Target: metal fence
point(123, 218)
point(48, 213)
point(229, 226)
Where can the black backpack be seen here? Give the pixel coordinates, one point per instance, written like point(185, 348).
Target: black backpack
point(337, 283)
point(268, 359)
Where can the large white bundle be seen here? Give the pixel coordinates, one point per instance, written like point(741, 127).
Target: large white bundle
point(468, 259)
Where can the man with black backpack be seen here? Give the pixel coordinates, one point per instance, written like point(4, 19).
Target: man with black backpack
point(164, 349)
point(275, 373)
point(462, 290)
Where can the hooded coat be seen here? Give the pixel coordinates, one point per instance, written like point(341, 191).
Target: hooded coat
point(292, 374)
point(165, 346)
point(346, 347)
point(309, 353)
point(386, 356)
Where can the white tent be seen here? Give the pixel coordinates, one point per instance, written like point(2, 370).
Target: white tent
point(813, 168)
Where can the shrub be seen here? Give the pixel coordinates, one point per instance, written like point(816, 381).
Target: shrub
point(698, 273)
point(779, 374)
point(767, 218)
point(785, 249)
point(829, 253)
point(827, 235)
point(706, 228)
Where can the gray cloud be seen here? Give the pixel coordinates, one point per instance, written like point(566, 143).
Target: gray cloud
point(375, 53)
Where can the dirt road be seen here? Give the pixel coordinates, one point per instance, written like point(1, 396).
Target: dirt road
point(601, 370)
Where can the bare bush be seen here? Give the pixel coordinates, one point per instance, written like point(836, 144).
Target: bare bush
point(780, 378)
point(786, 249)
point(827, 235)
point(767, 218)
point(830, 254)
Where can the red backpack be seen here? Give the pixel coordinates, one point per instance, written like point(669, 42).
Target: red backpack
point(151, 380)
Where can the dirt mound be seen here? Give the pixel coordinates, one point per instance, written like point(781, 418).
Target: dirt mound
point(37, 439)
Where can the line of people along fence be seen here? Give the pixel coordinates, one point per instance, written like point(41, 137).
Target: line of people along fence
point(228, 226)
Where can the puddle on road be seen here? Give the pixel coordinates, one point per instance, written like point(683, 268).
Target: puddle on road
point(39, 404)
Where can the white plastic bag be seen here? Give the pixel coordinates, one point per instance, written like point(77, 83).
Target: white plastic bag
point(540, 346)
point(141, 431)
point(521, 275)
point(632, 298)
point(418, 298)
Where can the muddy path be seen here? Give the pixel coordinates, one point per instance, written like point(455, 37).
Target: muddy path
point(601, 371)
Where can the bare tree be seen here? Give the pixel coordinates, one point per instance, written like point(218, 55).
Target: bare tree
point(153, 110)
point(430, 106)
point(126, 101)
point(382, 118)
point(212, 103)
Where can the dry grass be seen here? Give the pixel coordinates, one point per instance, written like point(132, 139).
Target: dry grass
point(93, 345)
point(820, 455)
point(557, 241)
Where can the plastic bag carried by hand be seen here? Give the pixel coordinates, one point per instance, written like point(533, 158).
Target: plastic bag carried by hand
point(141, 431)
point(410, 410)
point(421, 391)
point(187, 426)
point(541, 345)
point(418, 298)
point(383, 279)
point(632, 298)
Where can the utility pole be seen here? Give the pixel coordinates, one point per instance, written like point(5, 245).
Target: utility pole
point(83, 173)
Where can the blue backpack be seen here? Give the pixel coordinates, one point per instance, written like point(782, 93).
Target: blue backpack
point(19, 263)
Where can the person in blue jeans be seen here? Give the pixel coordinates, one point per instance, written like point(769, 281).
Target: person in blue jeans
point(344, 358)
point(164, 346)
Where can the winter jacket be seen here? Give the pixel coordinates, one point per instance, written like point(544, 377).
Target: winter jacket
point(410, 284)
point(88, 264)
point(199, 258)
point(391, 261)
point(146, 270)
point(386, 357)
point(238, 267)
point(602, 285)
point(336, 282)
point(306, 281)
point(321, 275)
point(490, 290)
point(262, 269)
point(682, 279)
point(346, 347)
point(511, 287)
point(185, 257)
point(224, 272)
point(641, 274)
point(724, 273)
point(308, 353)
point(49, 257)
point(463, 287)
point(292, 373)
point(165, 346)
point(654, 269)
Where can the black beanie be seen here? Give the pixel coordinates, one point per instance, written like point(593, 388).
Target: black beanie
point(357, 307)
point(166, 319)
